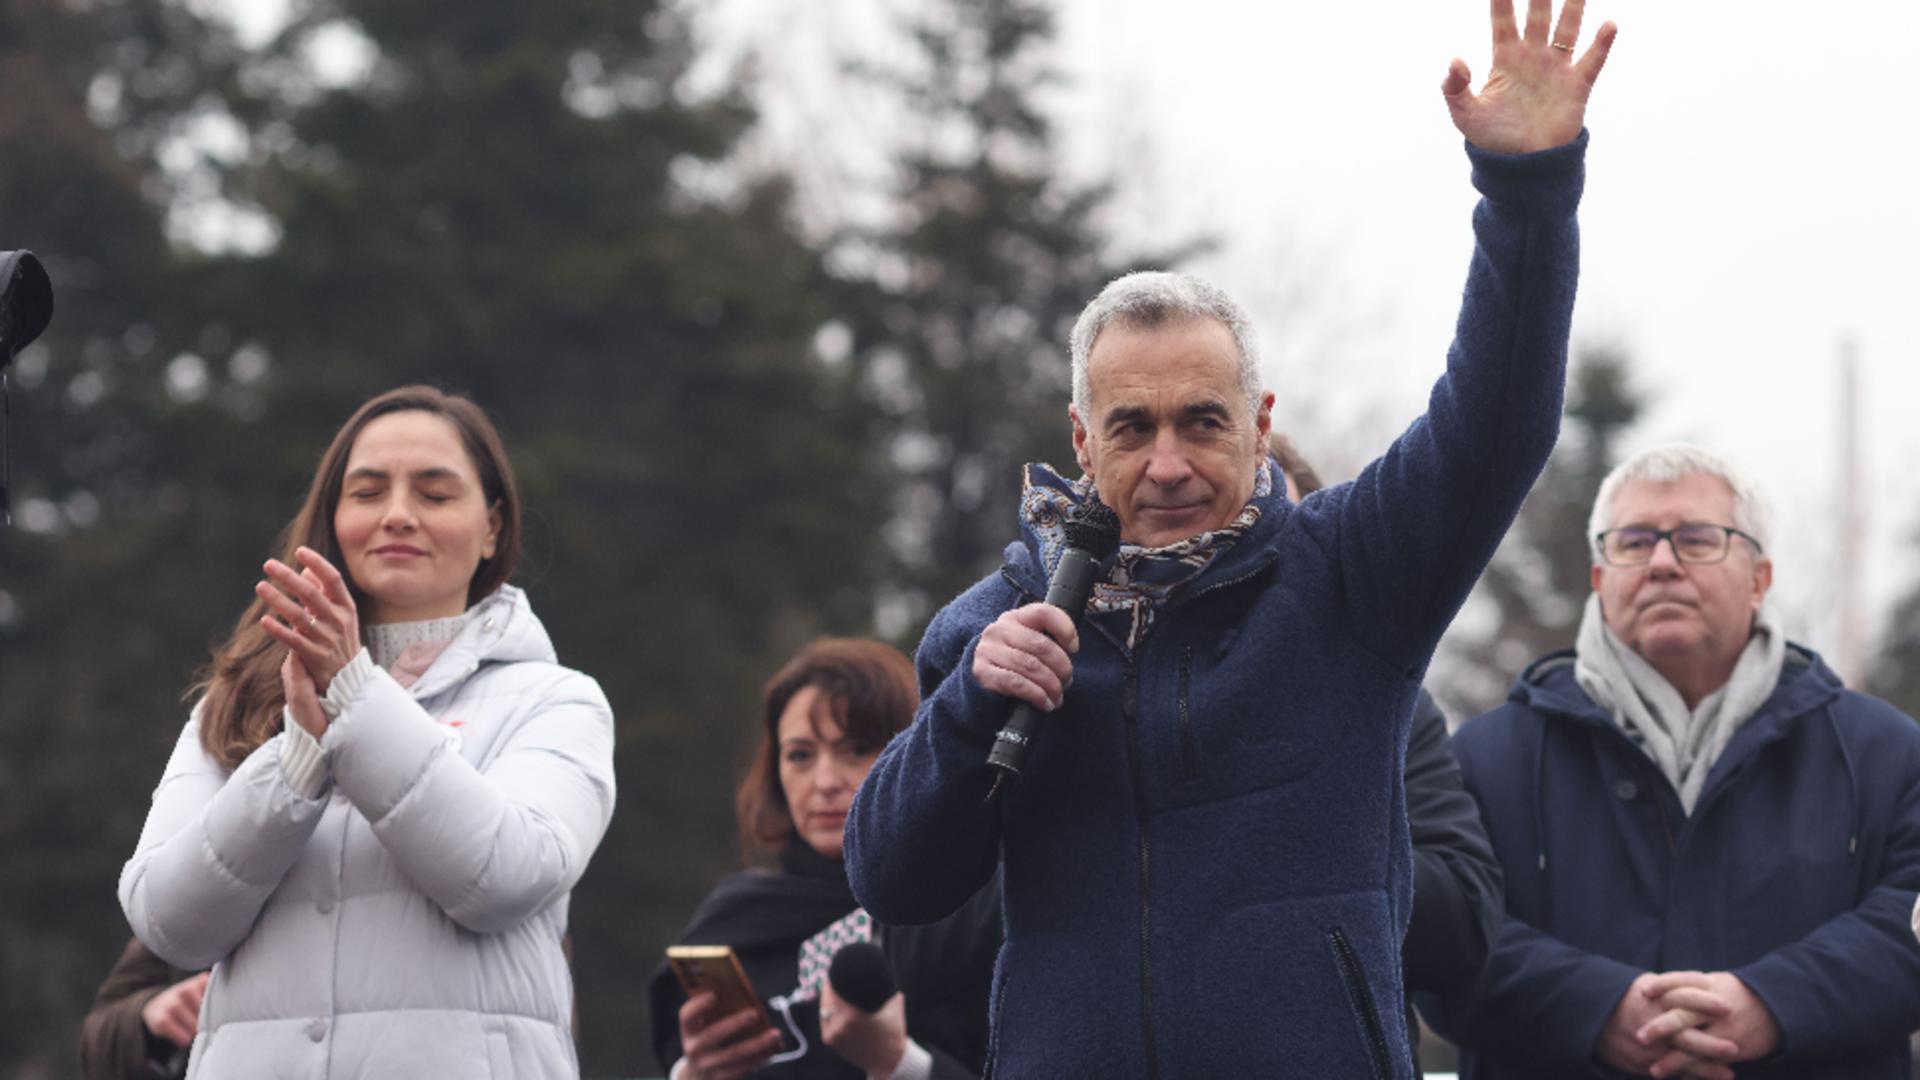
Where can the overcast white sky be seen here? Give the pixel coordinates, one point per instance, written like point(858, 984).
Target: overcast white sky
point(1750, 205)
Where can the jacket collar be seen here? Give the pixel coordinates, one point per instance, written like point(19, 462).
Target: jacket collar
point(1806, 684)
point(1025, 569)
point(503, 629)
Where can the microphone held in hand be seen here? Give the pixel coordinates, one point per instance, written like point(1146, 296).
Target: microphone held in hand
point(1092, 534)
point(859, 975)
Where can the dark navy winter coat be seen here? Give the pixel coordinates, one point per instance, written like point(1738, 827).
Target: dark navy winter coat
point(1796, 872)
point(1207, 870)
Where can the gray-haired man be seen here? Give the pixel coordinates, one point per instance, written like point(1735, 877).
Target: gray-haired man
point(1710, 845)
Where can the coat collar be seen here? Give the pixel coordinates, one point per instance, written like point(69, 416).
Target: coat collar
point(503, 629)
point(1025, 569)
point(1806, 684)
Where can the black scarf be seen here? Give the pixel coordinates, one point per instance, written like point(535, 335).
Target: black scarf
point(765, 915)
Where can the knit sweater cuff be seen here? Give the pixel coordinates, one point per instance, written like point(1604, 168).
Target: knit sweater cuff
point(347, 683)
point(302, 761)
point(1551, 178)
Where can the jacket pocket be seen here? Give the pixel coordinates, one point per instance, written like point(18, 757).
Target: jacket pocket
point(1189, 753)
point(1361, 998)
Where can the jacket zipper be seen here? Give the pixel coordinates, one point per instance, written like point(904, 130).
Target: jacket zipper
point(1350, 973)
point(1189, 767)
point(1132, 714)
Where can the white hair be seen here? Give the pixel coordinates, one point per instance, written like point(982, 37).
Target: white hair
point(1149, 298)
point(1752, 511)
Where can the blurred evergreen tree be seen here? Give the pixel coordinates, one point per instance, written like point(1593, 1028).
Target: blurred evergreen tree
point(103, 573)
point(960, 305)
point(1895, 675)
point(534, 204)
point(531, 204)
point(1533, 592)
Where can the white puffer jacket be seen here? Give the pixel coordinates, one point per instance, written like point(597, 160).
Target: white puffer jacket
point(407, 922)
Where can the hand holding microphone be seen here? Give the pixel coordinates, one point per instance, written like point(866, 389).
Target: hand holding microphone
point(863, 1015)
point(1023, 653)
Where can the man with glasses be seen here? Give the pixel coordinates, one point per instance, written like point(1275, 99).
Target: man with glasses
point(1710, 845)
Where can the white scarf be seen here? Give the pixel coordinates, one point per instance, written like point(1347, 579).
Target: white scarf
point(1683, 742)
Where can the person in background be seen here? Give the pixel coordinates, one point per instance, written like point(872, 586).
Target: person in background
point(143, 1019)
point(1456, 881)
point(1711, 845)
point(823, 718)
point(389, 786)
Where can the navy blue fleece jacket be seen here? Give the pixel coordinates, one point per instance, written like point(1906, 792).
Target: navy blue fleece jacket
point(1207, 870)
point(1796, 872)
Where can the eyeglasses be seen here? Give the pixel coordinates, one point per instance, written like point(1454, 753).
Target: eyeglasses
point(1634, 545)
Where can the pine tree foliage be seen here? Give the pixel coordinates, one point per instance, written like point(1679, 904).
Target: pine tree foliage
point(1895, 674)
point(962, 304)
point(527, 203)
point(531, 204)
point(100, 619)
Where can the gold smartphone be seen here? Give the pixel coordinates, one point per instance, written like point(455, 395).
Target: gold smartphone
point(715, 968)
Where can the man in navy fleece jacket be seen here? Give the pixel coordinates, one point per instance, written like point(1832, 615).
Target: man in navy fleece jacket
point(1207, 871)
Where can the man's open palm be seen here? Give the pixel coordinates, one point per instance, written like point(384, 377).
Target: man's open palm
point(1535, 98)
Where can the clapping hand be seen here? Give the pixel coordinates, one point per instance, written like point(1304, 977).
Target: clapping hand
point(1535, 98)
point(312, 613)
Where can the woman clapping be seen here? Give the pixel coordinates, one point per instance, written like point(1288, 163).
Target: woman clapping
point(374, 816)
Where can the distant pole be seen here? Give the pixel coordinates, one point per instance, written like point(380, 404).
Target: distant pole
point(1850, 654)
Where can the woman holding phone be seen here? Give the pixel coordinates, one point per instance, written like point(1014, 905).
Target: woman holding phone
point(824, 717)
point(388, 787)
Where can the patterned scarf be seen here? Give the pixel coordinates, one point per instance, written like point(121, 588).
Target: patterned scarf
point(1142, 577)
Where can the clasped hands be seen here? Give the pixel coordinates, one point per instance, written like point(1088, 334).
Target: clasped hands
point(1689, 1024)
point(312, 613)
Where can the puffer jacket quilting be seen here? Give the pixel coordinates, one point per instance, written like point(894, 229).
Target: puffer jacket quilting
point(408, 921)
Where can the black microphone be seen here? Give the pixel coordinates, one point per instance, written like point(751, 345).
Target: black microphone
point(859, 975)
point(1093, 533)
point(26, 306)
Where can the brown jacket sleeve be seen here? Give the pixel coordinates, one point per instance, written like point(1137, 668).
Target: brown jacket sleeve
point(114, 1044)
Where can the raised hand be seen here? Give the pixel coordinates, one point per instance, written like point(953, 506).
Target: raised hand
point(312, 614)
point(1535, 98)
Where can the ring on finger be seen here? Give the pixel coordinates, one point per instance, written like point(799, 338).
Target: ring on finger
point(1561, 45)
point(311, 621)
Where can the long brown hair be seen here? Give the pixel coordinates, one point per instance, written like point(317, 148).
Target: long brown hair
point(240, 690)
point(866, 687)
